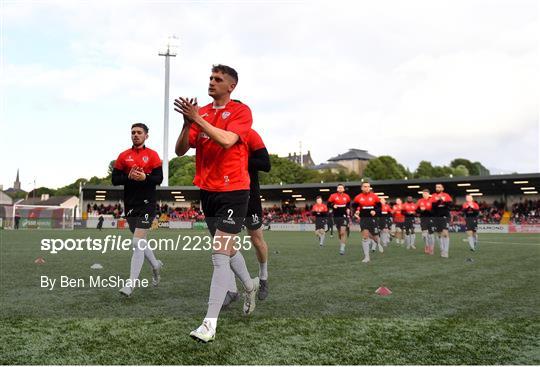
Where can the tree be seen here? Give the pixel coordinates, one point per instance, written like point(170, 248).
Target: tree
point(482, 171)
point(384, 168)
point(442, 171)
point(471, 167)
point(182, 170)
point(424, 170)
point(285, 171)
point(40, 191)
point(461, 171)
point(111, 167)
point(73, 189)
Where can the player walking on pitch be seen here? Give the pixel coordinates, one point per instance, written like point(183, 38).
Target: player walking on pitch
point(259, 160)
point(424, 208)
point(339, 202)
point(471, 209)
point(218, 132)
point(441, 201)
point(368, 210)
point(139, 170)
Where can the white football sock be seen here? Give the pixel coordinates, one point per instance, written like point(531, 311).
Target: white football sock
point(443, 245)
point(219, 286)
point(471, 242)
point(263, 270)
point(137, 258)
point(232, 282)
point(341, 247)
point(322, 236)
point(238, 265)
point(149, 255)
point(365, 247)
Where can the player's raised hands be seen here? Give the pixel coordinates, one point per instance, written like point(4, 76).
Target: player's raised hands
point(130, 174)
point(139, 175)
point(187, 107)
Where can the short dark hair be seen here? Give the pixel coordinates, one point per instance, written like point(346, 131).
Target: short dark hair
point(141, 125)
point(318, 197)
point(366, 182)
point(341, 185)
point(225, 70)
point(426, 190)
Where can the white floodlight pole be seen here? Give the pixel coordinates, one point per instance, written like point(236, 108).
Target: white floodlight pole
point(168, 54)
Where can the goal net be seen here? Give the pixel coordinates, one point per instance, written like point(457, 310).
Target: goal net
point(41, 217)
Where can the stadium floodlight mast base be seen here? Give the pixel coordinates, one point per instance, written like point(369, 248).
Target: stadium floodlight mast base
point(168, 54)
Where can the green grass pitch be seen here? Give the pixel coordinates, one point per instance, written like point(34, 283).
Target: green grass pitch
point(322, 308)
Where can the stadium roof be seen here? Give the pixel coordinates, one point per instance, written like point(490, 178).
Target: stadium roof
point(494, 185)
point(353, 154)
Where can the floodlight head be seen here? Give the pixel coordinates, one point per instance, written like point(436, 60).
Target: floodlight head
point(171, 45)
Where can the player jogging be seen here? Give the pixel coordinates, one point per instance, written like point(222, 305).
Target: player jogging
point(218, 132)
point(339, 202)
point(409, 209)
point(368, 208)
point(259, 160)
point(399, 220)
point(440, 202)
point(424, 208)
point(471, 209)
point(139, 170)
point(320, 212)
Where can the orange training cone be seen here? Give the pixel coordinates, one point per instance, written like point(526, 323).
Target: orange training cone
point(383, 291)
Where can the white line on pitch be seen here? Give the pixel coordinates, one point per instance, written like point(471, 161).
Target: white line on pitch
point(480, 242)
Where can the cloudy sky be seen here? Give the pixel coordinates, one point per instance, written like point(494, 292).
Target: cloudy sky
point(416, 80)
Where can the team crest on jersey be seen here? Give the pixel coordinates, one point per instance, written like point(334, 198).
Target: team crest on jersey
point(225, 114)
point(145, 159)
